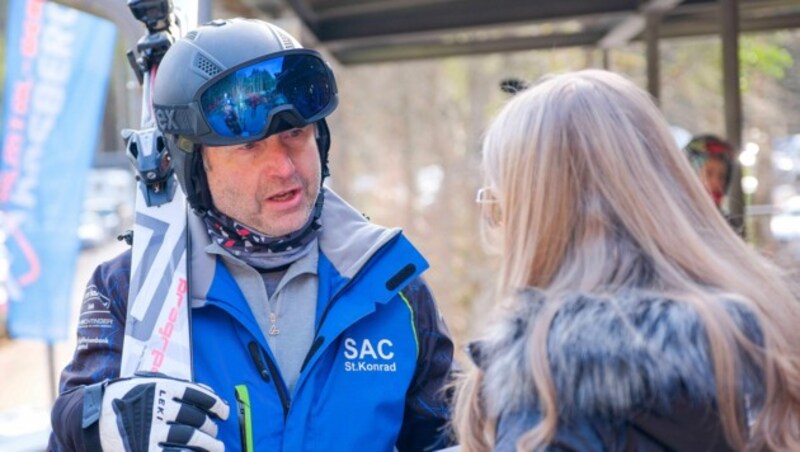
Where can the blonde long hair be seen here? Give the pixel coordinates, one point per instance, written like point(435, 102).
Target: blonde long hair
point(596, 197)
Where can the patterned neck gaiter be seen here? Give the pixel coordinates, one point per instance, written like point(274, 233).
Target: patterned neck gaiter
point(258, 250)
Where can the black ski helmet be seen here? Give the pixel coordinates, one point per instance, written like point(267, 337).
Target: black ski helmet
point(260, 64)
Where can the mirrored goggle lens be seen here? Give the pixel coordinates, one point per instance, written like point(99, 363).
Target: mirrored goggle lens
point(239, 104)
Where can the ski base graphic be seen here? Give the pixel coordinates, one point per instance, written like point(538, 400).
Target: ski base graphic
point(157, 331)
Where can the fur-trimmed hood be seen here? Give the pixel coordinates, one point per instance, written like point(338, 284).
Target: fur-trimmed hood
point(610, 357)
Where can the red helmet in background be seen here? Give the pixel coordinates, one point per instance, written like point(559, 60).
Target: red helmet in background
point(700, 149)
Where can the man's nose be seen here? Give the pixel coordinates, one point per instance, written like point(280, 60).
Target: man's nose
point(276, 158)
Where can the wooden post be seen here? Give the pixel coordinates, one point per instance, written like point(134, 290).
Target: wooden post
point(653, 68)
point(729, 18)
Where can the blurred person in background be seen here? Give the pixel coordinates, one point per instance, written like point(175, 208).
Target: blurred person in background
point(629, 315)
point(311, 327)
point(713, 161)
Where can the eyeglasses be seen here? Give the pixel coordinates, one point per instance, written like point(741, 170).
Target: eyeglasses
point(485, 195)
point(487, 199)
point(254, 100)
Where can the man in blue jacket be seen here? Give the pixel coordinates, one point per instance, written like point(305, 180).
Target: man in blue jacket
point(312, 329)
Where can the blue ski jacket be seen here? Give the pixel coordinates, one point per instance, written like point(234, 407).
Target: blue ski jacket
point(373, 379)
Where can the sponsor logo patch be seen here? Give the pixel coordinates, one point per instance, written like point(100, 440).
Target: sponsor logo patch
point(94, 301)
point(96, 322)
point(85, 342)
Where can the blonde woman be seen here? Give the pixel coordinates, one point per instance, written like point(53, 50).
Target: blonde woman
point(632, 317)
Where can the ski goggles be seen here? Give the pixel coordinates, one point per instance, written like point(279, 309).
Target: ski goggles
point(254, 100)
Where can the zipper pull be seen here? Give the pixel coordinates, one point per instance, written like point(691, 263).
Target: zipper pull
point(255, 353)
point(258, 359)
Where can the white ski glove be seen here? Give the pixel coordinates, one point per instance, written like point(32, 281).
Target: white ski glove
point(152, 412)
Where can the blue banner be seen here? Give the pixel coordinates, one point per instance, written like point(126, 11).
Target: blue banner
point(58, 62)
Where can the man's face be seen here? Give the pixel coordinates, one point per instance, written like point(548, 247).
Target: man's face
point(269, 185)
point(713, 175)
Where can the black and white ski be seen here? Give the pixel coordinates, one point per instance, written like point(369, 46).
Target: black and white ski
point(158, 328)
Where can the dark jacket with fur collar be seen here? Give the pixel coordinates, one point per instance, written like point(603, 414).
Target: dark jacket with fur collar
point(632, 372)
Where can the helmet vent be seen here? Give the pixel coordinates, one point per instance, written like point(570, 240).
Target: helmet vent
point(286, 41)
point(191, 35)
point(206, 66)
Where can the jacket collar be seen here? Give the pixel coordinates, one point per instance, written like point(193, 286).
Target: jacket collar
point(347, 238)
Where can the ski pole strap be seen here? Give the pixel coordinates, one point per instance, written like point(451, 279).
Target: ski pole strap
point(92, 403)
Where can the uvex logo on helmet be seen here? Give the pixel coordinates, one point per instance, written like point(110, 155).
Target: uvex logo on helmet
point(165, 117)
